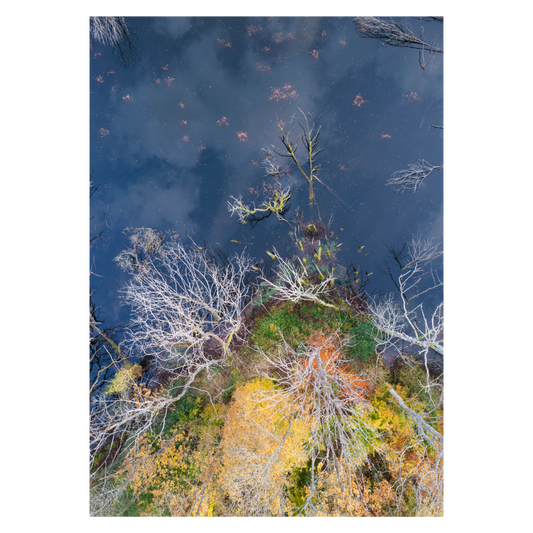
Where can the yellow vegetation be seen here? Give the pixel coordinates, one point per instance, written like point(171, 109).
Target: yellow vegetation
point(261, 443)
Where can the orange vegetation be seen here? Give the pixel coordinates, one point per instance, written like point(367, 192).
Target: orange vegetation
point(351, 386)
point(282, 93)
point(359, 101)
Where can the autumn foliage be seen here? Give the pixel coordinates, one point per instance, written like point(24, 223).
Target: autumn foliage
point(124, 380)
point(355, 495)
point(171, 475)
point(261, 443)
point(352, 387)
point(322, 441)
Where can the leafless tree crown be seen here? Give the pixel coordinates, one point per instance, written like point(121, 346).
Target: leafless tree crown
point(408, 321)
point(410, 179)
point(187, 308)
point(392, 33)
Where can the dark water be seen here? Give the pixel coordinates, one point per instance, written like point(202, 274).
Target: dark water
point(179, 132)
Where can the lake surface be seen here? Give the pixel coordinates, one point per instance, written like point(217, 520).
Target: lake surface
point(177, 133)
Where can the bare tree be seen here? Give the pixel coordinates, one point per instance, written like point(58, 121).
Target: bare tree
point(276, 202)
point(408, 321)
point(122, 409)
point(105, 495)
point(187, 308)
point(271, 164)
point(108, 30)
point(429, 489)
point(322, 390)
point(410, 179)
point(116, 32)
point(118, 421)
point(392, 33)
point(311, 140)
point(294, 284)
point(181, 299)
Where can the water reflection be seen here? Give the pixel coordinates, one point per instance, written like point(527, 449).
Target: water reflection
point(181, 131)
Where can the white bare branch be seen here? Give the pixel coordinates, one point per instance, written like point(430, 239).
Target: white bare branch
point(270, 163)
point(407, 322)
point(276, 202)
point(187, 307)
point(410, 179)
point(392, 33)
point(105, 495)
point(109, 30)
point(430, 486)
point(181, 299)
point(120, 420)
point(293, 284)
point(317, 382)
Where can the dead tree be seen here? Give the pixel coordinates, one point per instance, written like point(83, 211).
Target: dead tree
point(392, 33)
point(408, 321)
point(116, 32)
point(410, 179)
point(311, 140)
point(187, 309)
